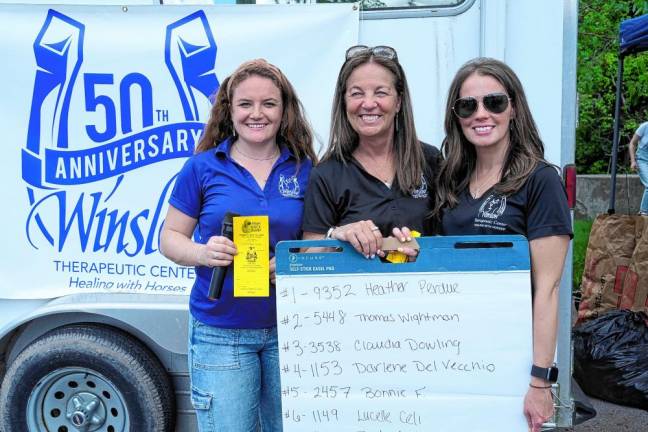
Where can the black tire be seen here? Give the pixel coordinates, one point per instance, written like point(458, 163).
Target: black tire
point(50, 381)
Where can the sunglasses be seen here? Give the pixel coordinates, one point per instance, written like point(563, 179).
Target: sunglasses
point(377, 51)
point(495, 103)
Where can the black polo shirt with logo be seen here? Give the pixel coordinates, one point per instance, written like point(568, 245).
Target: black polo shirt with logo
point(538, 209)
point(340, 194)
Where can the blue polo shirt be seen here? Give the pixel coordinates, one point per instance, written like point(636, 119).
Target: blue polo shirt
point(210, 184)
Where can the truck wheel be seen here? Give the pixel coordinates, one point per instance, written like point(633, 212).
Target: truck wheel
point(86, 378)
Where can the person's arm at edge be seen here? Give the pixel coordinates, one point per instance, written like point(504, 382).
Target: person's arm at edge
point(547, 261)
point(632, 149)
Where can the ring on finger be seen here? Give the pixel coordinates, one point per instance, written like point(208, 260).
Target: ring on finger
point(375, 228)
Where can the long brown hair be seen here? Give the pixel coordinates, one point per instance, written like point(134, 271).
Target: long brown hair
point(294, 131)
point(525, 146)
point(343, 140)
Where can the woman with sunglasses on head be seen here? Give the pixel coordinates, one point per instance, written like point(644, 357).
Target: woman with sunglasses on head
point(253, 158)
point(375, 176)
point(494, 180)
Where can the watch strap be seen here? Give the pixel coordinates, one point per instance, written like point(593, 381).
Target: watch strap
point(549, 374)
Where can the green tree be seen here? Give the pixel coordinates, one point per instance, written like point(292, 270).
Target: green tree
point(598, 47)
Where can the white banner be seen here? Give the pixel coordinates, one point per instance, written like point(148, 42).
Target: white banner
point(100, 108)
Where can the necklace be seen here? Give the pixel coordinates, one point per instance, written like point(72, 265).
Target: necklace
point(381, 170)
point(477, 190)
point(272, 157)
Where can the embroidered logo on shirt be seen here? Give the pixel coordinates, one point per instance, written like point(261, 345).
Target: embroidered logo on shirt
point(422, 190)
point(289, 186)
point(493, 207)
point(489, 212)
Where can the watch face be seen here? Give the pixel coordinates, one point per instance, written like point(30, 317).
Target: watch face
point(549, 374)
point(553, 374)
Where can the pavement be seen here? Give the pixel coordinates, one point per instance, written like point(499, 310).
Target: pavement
point(613, 418)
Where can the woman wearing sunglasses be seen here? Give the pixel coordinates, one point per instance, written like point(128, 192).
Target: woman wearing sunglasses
point(495, 180)
point(375, 176)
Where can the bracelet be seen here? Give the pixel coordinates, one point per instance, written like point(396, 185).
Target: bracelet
point(539, 387)
point(329, 233)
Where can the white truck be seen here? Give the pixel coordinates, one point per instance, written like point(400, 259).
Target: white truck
point(103, 100)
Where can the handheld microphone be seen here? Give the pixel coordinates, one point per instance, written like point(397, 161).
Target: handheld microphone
point(218, 274)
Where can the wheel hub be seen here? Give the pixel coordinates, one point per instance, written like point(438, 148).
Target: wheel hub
point(74, 399)
point(78, 418)
point(86, 411)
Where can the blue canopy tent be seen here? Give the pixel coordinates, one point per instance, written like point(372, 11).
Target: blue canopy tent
point(633, 34)
point(633, 39)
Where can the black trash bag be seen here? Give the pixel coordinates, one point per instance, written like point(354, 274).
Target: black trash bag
point(611, 357)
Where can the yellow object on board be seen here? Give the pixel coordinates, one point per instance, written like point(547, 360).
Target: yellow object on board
point(399, 257)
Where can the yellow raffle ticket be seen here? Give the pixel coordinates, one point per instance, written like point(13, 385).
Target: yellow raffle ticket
point(251, 264)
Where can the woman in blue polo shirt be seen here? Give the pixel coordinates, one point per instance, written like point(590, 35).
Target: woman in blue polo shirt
point(495, 180)
point(254, 158)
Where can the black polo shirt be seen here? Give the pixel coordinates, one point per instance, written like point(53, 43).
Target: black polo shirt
point(340, 194)
point(538, 209)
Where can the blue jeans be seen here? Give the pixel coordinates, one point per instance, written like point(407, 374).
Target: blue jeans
point(235, 385)
point(642, 164)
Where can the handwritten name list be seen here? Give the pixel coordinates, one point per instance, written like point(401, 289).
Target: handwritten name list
point(404, 352)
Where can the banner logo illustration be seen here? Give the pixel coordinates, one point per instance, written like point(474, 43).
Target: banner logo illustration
point(190, 55)
point(127, 133)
